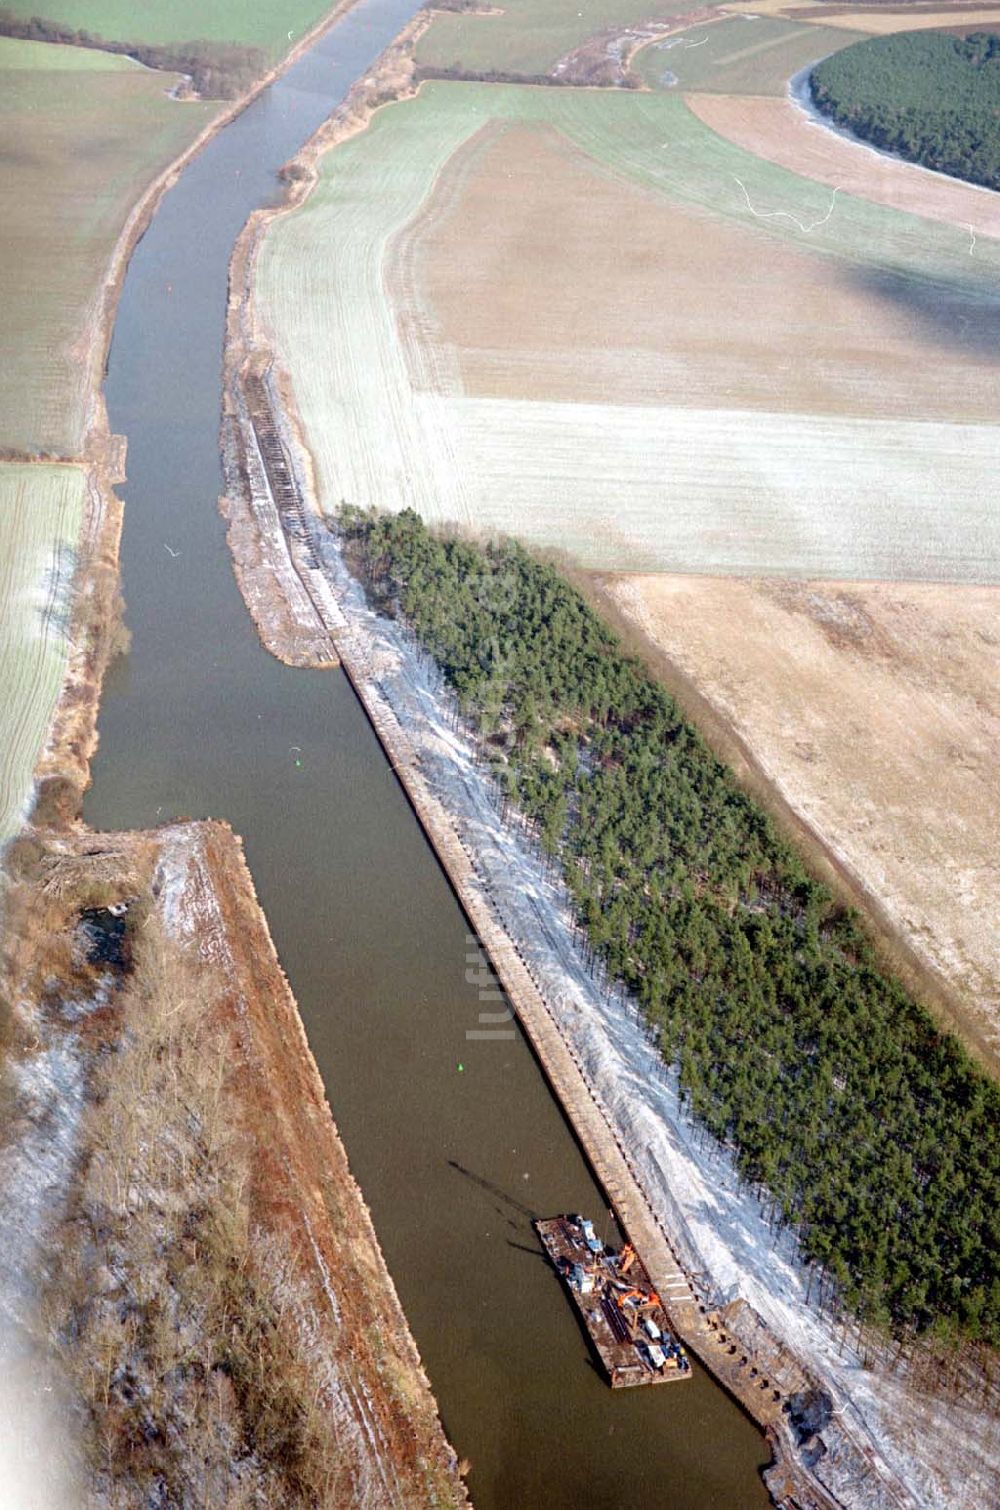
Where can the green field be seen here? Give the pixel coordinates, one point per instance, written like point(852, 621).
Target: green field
point(619, 485)
point(42, 57)
point(528, 36)
point(372, 184)
point(84, 133)
point(41, 510)
point(738, 55)
point(254, 23)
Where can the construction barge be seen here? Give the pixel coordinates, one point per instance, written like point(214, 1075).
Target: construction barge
point(617, 1305)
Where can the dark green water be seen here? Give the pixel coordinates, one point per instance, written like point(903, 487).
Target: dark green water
point(199, 721)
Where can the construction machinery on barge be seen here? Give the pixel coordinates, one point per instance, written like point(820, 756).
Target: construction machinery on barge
point(617, 1305)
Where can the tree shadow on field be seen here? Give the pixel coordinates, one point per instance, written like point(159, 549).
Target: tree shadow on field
point(55, 606)
point(949, 314)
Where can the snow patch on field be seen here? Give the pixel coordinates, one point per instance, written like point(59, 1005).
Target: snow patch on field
point(36, 1167)
point(41, 510)
point(941, 1452)
point(718, 490)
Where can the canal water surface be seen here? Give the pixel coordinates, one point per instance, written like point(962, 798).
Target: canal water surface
point(456, 1143)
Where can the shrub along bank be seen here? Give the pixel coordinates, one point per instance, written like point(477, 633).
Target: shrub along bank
point(218, 70)
point(866, 1128)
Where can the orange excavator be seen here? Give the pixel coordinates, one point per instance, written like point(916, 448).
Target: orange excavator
point(626, 1258)
point(637, 1301)
point(631, 1308)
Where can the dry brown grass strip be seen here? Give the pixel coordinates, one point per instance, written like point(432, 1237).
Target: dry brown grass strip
point(177, 1322)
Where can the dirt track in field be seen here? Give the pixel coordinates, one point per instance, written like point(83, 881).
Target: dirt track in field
point(503, 279)
point(882, 21)
point(873, 710)
point(780, 132)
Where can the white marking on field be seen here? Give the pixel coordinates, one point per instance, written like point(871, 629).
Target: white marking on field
point(786, 215)
point(972, 241)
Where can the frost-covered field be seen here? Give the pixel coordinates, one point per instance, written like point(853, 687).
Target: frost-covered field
point(41, 511)
point(721, 490)
point(620, 484)
point(943, 1453)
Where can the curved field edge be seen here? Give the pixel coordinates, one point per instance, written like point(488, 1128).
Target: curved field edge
point(677, 483)
point(781, 131)
point(41, 515)
point(651, 139)
point(889, 91)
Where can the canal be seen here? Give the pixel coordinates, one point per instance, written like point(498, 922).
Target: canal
point(456, 1142)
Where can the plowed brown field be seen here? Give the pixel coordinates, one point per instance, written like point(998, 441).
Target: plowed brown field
point(779, 131)
point(873, 709)
point(882, 21)
point(503, 274)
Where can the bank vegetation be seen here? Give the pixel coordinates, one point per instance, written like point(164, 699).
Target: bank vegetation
point(863, 1127)
point(211, 1302)
point(216, 70)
